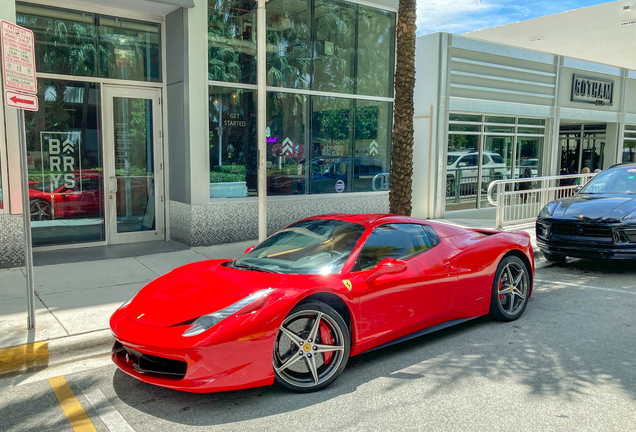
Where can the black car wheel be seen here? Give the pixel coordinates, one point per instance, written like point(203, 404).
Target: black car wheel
point(554, 257)
point(311, 349)
point(40, 210)
point(510, 289)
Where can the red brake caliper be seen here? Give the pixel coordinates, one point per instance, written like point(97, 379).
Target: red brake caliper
point(326, 339)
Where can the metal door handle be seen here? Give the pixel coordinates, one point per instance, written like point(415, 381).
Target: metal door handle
point(114, 191)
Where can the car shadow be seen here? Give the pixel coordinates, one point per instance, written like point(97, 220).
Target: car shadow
point(529, 351)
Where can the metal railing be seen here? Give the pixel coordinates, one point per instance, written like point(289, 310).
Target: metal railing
point(519, 201)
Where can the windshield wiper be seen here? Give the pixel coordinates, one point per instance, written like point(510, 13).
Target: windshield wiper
point(253, 267)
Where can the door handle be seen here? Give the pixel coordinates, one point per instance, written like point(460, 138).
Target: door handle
point(115, 189)
point(448, 264)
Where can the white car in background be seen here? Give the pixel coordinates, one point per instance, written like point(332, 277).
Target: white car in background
point(462, 169)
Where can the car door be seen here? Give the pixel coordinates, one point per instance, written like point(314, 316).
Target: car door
point(393, 304)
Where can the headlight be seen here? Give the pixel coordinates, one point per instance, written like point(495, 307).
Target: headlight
point(127, 302)
point(546, 211)
point(205, 322)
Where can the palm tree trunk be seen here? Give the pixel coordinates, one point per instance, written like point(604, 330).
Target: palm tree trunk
point(402, 142)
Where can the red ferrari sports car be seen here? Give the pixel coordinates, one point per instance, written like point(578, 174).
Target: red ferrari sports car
point(293, 309)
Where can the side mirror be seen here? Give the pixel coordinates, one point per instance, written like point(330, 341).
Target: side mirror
point(249, 249)
point(577, 189)
point(387, 266)
point(462, 164)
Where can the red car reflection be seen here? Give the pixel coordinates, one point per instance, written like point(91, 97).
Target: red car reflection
point(295, 308)
point(56, 200)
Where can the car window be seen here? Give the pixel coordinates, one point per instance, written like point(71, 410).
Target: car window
point(399, 241)
point(486, 160)
point(469, 160)
point(497, 158)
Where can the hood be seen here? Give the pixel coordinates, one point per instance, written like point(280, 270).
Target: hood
point(608, 208)
point(194, 290)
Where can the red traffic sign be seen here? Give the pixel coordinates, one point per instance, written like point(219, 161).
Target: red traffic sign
point(21, 100)
point(18, 58)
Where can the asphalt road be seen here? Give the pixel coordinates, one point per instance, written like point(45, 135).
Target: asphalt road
point(568, 364)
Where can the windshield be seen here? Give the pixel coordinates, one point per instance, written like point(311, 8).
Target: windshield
point(614, 182)
point(319, 246)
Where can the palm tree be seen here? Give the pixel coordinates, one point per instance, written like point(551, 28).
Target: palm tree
point(400, 195)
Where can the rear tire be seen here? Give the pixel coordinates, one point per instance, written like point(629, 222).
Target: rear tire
point(510, 289)
point(554, 257)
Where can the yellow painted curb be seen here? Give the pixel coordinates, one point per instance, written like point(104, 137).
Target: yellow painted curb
point(74, 412)
point(24, 357)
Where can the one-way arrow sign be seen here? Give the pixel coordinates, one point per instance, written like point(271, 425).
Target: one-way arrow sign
point(21, 100)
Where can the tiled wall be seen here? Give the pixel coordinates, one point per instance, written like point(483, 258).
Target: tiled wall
point(11, 241)
point(227, 222)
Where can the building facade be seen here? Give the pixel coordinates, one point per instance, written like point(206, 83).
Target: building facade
point(147, 121)
point(486, 111)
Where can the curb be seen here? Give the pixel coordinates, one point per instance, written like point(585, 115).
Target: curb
point(38, 355)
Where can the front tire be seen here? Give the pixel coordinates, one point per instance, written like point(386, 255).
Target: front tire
point(510, 289)
point(312, 348)
point(40, 209)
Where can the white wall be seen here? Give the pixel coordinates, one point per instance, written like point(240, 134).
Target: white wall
point(426, 100)
point(593, 33)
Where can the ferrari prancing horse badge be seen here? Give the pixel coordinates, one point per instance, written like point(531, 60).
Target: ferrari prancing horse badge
point(347, 283)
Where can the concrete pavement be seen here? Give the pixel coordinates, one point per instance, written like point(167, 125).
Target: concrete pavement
point(74, 301)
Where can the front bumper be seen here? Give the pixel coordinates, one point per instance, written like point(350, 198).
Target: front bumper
point(604, 242)
point(162, 357)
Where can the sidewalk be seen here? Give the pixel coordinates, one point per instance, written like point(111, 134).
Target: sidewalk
point(74, 301)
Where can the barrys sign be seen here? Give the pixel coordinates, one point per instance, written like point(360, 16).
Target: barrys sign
point(592, 90)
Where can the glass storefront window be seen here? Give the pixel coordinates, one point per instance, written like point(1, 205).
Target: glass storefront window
point(129, 50)
point(232, 41)
point(529, 130)
point(462, 173)
point(629, 151)
point(500, 129)
point(334, 64)
point(529, 157)
point(1, 204)
point(464, 117)
point(531, 121)
point(376, 30)
point(64, 152)
point(493, 119)
point(288, 44)
point(65, 40)
point(372, 148)
point(288, 171)
point(331, 162)
point(464, 128)
point(233, 135)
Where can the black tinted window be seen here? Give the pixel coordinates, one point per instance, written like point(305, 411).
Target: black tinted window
point(398, 241)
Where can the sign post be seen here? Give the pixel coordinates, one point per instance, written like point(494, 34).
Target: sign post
point(18, 66)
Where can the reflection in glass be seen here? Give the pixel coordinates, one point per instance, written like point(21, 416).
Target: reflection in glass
point(496, 163)
point(233, 160)
point(129, 50)
point(332, 126)
point(288, 43)
point(462, 173)
point(376, 33)
point(134, 166)
point(232, 41)
point(529, 155)
point(65, 40)
point(629, 151)
point(335, 46)
point(287, 168)
point(371, 164)
point(64, 161)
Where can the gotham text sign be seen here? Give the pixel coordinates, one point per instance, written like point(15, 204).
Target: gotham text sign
point(592, 90)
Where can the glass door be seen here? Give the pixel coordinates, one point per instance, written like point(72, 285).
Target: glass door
point(134, 166)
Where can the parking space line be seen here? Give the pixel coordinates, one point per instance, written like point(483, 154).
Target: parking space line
point(74, 412)
point(585, 286)
point(107, 412)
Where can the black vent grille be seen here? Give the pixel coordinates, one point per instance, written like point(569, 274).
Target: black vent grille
point(580, 230)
